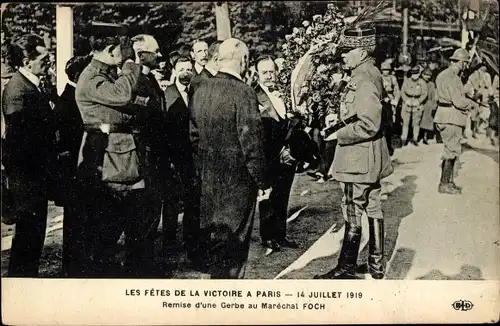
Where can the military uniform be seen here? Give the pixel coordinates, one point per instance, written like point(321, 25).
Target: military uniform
point(361, 161)
point(450, 119)
point(390, 103)
point(479, 83)
point(413, 93)
point(114, 170)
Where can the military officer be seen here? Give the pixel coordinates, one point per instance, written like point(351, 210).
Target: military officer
point(362, 157)
point(413, 93)
point(390, 101)
point(112, 181)
point(451, 116)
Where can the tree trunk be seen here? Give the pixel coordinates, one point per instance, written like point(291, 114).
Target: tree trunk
point(222, 21)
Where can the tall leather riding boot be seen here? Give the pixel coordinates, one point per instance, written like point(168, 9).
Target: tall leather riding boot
point(445, 187)
point(346, 266)
point(376, 262)
point(452, 175)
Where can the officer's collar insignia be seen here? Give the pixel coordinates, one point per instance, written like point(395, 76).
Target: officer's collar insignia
point(352, 85)
point(142, 101)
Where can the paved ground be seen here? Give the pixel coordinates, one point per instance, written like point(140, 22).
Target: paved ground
point(428, 235)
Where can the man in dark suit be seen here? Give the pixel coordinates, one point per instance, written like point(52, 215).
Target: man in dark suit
point(29, 153)
point(180, 154)
point(231, 161)
point(199, 54)
point(69, 131)
point(210, 69)
point(282, 165)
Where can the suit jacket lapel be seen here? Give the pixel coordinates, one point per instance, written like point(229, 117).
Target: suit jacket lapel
point(172, 94)
point(265, 102)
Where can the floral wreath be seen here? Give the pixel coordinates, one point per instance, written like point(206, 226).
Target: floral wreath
point(306, 78)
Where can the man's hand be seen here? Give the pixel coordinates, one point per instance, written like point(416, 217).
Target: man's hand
point(286, 158)
point(127, 50)
point(394, 102)
point(264, 194)
point(331, 119)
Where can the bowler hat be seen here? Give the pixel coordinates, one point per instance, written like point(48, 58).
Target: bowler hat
point(358, 38)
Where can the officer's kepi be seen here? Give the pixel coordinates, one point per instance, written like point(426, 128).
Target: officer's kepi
point(97, 30)
point(359, 37)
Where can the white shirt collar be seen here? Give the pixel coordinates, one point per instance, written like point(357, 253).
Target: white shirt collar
point(279, 105)
point(31, 77)
point(231, 72)
point(213, 72)
point(198, 67)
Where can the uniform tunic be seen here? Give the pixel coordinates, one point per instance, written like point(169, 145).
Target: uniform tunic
point(362, 158)
point(451, 114)
point(413, 91)
point(430, 106)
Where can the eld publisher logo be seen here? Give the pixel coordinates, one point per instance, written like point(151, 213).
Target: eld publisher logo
point(463, 305)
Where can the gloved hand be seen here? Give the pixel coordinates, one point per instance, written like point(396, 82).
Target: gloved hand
point(127, 50)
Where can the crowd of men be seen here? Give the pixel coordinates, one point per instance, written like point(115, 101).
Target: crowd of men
point(125, 148)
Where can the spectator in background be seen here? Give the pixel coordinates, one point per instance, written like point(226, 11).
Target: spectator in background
point(69, 130)
point(210, 69)
point(199, 53)
point(413, 94)
point(430, 107)
point(480, 83)
point(28, 153)
point(7, 73)
point(492, 131)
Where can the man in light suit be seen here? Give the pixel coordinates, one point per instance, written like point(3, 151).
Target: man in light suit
point(281, 169)
point(231, 161)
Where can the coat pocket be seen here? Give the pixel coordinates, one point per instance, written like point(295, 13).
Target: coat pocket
point(121, 162)
point(354, 158)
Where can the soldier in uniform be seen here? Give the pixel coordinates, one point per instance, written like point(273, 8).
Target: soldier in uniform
point(112, 179)
point(479, 83)
point(390, 101)
point(362, 157)
point(451, 116)
point(413, 93)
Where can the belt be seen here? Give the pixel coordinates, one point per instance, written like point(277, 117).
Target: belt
point(109, 128)
point(446, 105)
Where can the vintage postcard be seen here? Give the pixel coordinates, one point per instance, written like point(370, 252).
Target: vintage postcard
point(258, 162)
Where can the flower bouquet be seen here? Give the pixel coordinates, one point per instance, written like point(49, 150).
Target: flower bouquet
point(312, 70)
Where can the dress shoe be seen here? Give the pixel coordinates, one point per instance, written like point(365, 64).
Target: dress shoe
point(285, 242)
point(414, 142)
point(271, 246)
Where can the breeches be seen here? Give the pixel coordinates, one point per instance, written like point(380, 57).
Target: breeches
point(412, 113)
point(358, 198)
point(106, 216)
point(451, 135)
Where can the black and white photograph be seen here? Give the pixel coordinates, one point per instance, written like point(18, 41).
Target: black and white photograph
point(257, 140)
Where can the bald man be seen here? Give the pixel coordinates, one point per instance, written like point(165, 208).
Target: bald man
point(231, 161)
